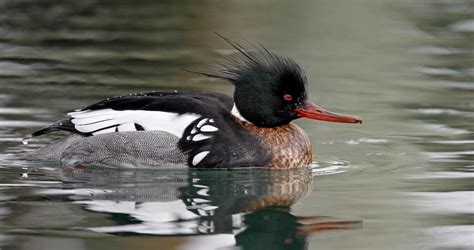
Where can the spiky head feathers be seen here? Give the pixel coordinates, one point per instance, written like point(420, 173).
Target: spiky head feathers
point(268, 87)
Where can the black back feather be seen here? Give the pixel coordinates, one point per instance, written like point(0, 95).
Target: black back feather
point(173, 101)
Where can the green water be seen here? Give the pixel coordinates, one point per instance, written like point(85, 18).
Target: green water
point(401, 180)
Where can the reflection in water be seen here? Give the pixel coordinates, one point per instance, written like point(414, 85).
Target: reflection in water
point(253, 206)
point(405, 66)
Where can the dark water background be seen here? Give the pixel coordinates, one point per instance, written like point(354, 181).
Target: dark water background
point(405, 66)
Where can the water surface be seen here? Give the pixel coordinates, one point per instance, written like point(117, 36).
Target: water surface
point(401, 180)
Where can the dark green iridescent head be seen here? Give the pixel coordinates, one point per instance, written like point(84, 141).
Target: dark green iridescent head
point(271, 90)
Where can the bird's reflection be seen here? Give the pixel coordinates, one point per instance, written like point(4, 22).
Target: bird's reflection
point(252, 206)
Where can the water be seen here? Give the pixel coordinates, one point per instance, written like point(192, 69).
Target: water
point(401, 180)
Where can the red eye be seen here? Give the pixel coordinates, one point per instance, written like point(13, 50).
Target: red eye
point(288, 97)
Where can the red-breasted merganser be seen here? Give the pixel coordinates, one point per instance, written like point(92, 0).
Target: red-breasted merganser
point(200, 129)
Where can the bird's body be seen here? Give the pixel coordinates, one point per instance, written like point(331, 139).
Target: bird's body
point(200, 129)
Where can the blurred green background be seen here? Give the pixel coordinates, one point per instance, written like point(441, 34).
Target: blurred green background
point(405, 66)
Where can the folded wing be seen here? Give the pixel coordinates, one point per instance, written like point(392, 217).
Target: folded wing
point(170, 112)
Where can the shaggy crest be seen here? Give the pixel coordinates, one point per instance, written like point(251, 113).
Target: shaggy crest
point(258, 63)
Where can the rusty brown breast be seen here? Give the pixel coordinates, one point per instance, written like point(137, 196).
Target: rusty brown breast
point(288, 144)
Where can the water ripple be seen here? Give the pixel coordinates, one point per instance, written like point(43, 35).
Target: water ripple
point(443, 175)
point(447, 155)
point(463, 26)
point(13, 123)
point(458, 85)
point(18, 111)
point(446, 129)
point(454, 142)
point(328, 167)
point(433, 71)
point(444, 202)
point(442, 111)
point(433, 50)
point(366, 140)
point(451, 237)
point(14, 69)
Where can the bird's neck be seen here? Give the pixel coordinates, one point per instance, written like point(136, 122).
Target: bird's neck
point(235, 112)
point(289, 145)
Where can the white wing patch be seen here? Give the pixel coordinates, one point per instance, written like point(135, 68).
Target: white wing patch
point(200, 137)
point(109, 120)
point(201, 131)
point(208, 128)
point(198, 157)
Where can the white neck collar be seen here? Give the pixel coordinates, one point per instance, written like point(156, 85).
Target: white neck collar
point(235, 112)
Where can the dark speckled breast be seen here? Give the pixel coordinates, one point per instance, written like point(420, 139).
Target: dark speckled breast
point(288, 144)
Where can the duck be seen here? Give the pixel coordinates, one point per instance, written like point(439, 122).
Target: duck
point(199, 129)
